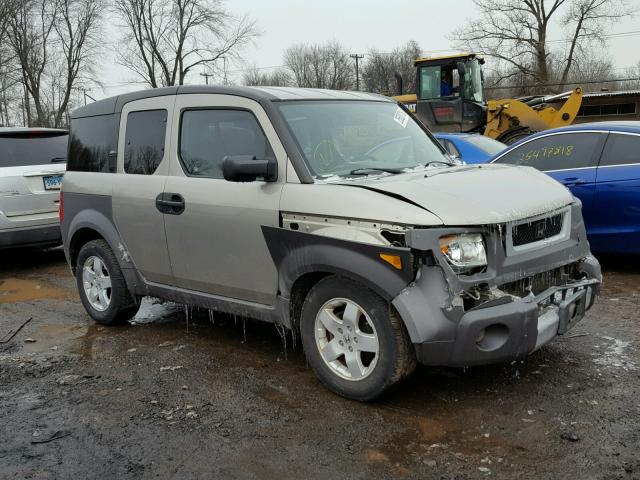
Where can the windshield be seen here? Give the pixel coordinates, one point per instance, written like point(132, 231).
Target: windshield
point(359, 138)
point(32, 148)
point(486, 144)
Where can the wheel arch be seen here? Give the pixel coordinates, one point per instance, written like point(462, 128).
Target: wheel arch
point(303, 259)
point(88, 225)
point(81, 237)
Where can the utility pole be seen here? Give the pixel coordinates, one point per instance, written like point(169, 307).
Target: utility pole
point(86, 95)
point(206, 77)
point(357, 58)
point(224, 69)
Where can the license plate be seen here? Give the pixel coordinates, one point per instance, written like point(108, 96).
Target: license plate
point(52, 182)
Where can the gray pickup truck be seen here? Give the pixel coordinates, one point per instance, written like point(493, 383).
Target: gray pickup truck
point(334, 214)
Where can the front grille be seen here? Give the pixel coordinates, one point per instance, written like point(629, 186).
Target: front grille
point(541, 281)
point(538, 230)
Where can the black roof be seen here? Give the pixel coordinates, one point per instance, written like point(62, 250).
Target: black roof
point(259, 94)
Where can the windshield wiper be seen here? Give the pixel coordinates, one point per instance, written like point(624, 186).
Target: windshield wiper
point(435, 162)
point(58, 159)
point(367, 170)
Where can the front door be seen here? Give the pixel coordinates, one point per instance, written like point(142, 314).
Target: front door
point(143, 165)
point(215, 242)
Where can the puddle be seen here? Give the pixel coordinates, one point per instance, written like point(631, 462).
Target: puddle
point(431, 430)
point(49, 338)
point(14, 290)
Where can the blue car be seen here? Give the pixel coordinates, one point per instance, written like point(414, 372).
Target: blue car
point(600, 164)
point(470, 147)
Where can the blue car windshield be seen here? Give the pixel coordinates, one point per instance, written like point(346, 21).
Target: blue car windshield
point(348, 138)
point(486, 144)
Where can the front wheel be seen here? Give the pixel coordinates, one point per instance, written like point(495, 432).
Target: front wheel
point(354, 341)
point(103, 290)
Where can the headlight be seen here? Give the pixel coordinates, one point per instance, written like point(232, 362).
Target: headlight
point(464, 252)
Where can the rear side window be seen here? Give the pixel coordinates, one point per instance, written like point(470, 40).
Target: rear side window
point(208, 136)
point(557, 152)
point(144, 141)
point(93, 144)
point(621, 150)
point(32, 148)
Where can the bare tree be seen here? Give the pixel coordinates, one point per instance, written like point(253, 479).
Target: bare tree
point(590, 19)
point(277, 78)
point(8, 68)
point(53, 42)
point(516, 33)
point(378, 72)
point(633, 73)
point(29, 29)
point(166, 39)
point(77, 30)
point(320, 66)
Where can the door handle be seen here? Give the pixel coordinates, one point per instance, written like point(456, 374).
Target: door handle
point(572, 181)
point(170, 203)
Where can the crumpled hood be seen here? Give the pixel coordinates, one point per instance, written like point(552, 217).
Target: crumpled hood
point(476, 194)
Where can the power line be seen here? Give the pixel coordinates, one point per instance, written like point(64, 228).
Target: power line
point(631, 33)
point(610, 80)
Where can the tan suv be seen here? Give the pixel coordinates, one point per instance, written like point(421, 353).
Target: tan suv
point(335, 214)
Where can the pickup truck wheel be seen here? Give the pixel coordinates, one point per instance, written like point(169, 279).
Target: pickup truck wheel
point(102, 287)
point(354, 341)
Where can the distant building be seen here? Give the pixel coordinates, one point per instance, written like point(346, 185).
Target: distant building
point(606, 106)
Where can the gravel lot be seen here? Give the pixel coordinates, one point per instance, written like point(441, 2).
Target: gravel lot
point(171, 398)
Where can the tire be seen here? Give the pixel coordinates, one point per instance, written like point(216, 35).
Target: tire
point(378, 372)
point(515, 135)
point(121, 305)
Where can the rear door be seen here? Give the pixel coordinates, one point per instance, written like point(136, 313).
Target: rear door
point(143, 166)
point(32, 164)
point(569, 157)
point(616, 217)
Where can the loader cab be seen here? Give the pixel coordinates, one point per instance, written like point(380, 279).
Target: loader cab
point(450, 95)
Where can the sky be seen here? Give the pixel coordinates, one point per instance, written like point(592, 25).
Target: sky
point(359, 25)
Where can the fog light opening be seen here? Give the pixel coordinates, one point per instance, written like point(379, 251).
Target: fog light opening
point(492, 337)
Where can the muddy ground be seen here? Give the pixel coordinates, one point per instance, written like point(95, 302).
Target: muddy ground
point(166, 399)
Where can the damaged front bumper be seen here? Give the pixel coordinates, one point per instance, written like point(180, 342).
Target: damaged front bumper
point(517, 304)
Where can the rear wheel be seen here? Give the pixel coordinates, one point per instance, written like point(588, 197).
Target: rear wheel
point(514, 135)
point(354, 341)
point(101, 285)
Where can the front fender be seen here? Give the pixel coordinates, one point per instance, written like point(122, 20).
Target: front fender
point(296, 253)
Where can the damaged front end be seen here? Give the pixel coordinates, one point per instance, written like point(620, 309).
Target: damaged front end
point(467, 295)
point(537, 280)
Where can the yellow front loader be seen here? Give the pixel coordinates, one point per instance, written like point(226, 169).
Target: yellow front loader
point(450, 98)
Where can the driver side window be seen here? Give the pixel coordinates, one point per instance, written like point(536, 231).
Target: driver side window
point(208, 136)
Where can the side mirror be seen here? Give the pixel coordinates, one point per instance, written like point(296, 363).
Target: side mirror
point(246, 168)
point(462, 69)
